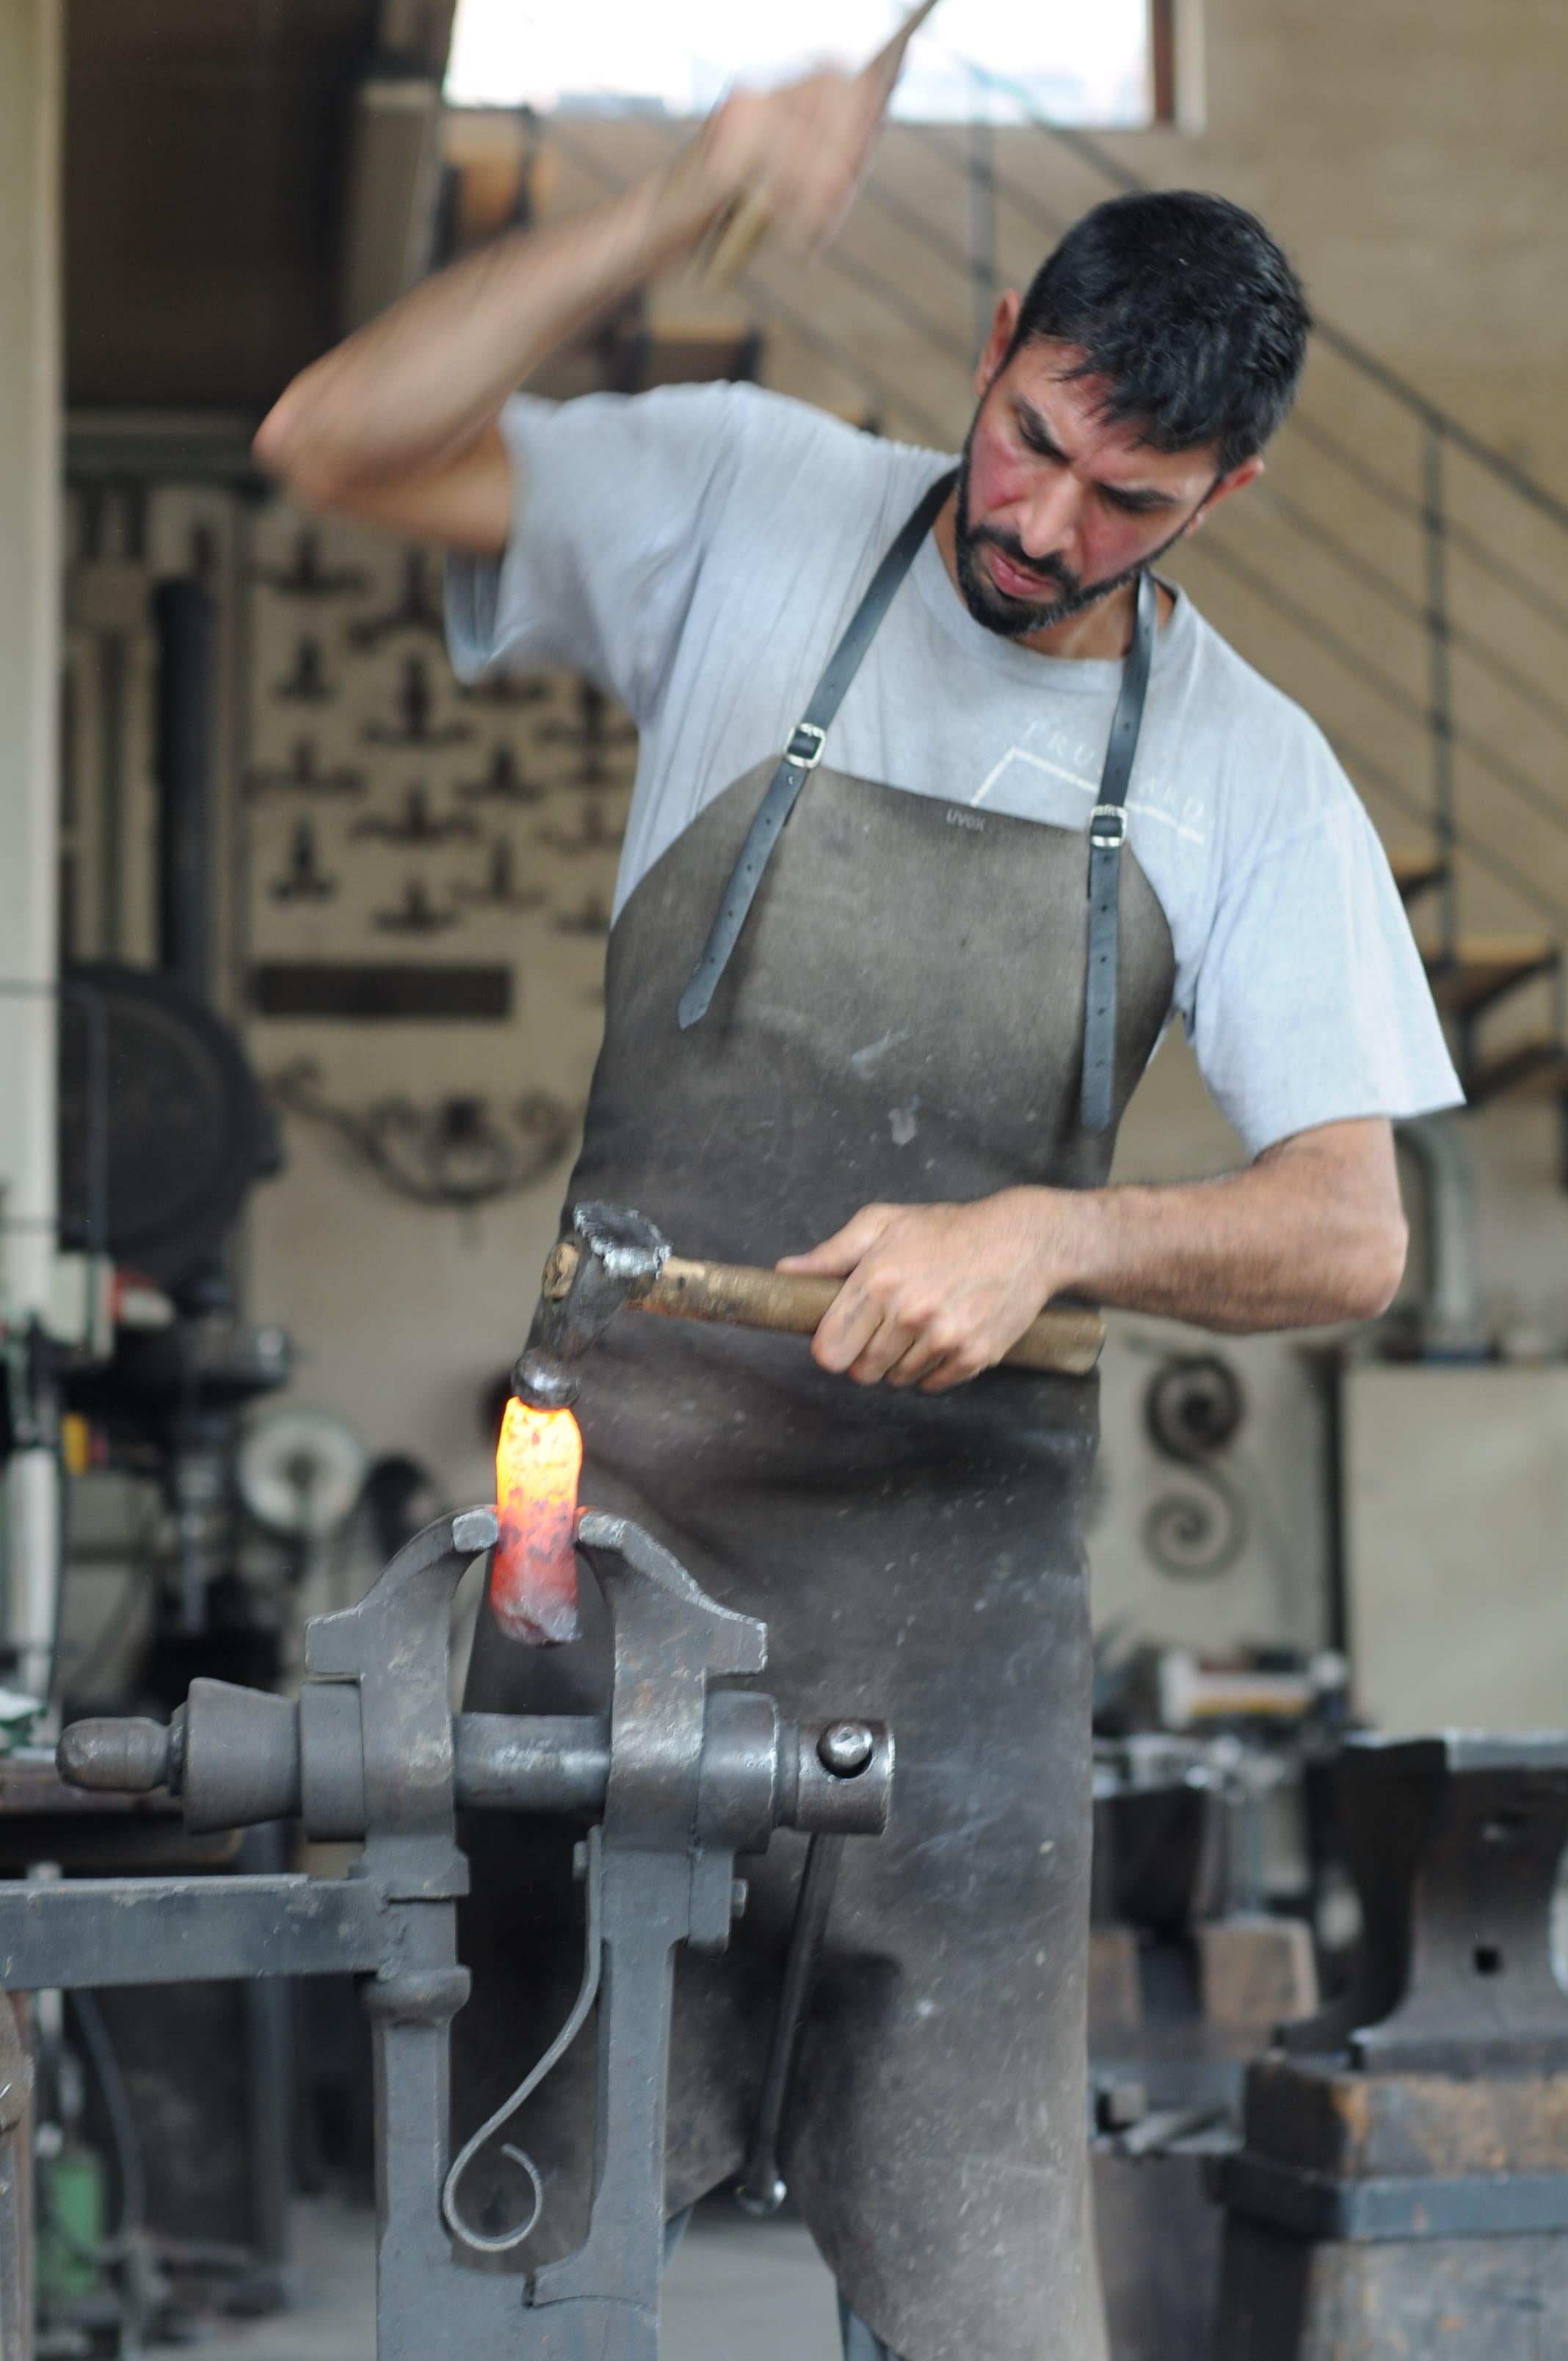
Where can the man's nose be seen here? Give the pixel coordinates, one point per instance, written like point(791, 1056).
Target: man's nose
point(1048, 526)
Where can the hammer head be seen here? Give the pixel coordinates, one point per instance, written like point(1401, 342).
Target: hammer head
point(610, 1253)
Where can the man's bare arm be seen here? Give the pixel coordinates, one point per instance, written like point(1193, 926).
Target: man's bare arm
point(1313, 1232)
point(398, 424)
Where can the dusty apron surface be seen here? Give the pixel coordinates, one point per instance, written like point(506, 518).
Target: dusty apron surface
point(901, 1020)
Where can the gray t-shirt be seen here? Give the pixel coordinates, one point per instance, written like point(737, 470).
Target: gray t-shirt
point(699, 549)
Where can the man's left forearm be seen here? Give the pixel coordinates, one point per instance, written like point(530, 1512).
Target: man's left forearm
point(1312, 1232)
point(1291, 1242)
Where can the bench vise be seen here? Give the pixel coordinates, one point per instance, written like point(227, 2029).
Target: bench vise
point(682, 1777)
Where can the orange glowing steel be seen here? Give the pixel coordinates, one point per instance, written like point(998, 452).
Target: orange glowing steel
point(534, 1573)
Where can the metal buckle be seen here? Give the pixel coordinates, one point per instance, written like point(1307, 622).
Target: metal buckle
point(1108, 827)
point(810, 759)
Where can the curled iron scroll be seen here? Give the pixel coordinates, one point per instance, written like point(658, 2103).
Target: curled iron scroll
point(1193, 1409)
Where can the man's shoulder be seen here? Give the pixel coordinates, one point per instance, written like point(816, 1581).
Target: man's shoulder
point(1235, 689)
point(823, 456)
point(1250, 712)
point(746, 443)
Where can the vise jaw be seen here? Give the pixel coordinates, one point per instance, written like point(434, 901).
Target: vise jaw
point(683, 1775)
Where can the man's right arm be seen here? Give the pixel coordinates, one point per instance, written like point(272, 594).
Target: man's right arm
point(398, 425)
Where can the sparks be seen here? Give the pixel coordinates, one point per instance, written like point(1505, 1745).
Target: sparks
point(534, 1573)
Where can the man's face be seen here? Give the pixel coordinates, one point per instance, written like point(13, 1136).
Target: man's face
point(1057, 507)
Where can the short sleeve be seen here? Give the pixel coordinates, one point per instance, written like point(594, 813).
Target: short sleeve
point(1311, 1004)
point(613, 503)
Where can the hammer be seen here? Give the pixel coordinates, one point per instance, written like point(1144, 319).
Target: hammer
point(615, 1255)
point(736, 237)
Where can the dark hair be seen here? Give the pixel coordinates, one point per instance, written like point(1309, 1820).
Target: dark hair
point(1187, 309)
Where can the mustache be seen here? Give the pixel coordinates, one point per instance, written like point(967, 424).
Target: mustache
point(1048, 572)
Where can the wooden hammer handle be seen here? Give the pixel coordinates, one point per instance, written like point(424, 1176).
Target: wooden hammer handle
point(792, 1304)
point(735, 237)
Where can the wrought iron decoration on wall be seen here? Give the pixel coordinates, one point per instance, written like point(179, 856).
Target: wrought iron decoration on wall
point(504, 783)
point(1193, 1409)
point(456, 1151)
point(418, 610)
point(308, 682)
point(301, 776)
point(306, 577)
point(304, 880)
point(416, 704)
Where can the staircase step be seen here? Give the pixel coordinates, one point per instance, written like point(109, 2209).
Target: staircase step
point(1417, 872)
point(1482, 969)
point(1536, 1068)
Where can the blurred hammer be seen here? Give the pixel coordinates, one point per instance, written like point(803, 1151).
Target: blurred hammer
point(615, 1255)
point(736, 237)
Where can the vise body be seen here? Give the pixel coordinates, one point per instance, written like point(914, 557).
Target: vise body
point(682, 1777)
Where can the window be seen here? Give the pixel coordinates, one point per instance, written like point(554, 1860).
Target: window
point(1107, 65)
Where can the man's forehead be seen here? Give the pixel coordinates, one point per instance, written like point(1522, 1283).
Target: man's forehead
point(1042, 379)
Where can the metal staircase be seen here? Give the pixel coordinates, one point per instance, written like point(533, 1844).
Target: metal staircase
point(1400, 577)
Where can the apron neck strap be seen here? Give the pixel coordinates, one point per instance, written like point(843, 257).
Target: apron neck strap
point(1107, 834)
point(803, 752)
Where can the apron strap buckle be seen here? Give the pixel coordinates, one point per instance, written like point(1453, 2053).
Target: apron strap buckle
point(807, 754)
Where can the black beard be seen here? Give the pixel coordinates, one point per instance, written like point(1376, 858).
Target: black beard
point(1020, 619)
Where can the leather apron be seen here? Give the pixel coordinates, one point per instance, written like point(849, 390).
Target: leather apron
point(900, 1021)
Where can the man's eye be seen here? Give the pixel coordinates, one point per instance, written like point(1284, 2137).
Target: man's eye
point(1128, 504)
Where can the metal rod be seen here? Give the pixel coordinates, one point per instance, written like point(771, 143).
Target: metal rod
point(1439, 686)
point(981, 224)
point(1307, 429)
point(1220, 553)
point(1366, 769)
point(1372, 577)
point(762, 2189)
point(187, 631)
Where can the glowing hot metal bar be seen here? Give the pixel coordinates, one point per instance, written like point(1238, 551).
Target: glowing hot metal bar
point(533, 1572)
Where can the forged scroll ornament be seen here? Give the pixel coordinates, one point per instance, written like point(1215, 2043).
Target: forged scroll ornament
point(1193, 1409)
point(456, 1151)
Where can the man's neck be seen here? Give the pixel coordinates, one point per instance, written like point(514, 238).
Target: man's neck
point(1103, 632)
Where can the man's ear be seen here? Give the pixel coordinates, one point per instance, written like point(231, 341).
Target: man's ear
point(1236, 481)
point(999, 344)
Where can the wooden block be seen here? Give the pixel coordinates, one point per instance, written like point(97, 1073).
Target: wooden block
point(1115, 1987)
point(1355, 2126)
point(1283, 2299)
point(1255, 1973)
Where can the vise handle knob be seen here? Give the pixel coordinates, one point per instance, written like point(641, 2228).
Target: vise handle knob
point(123, 1757)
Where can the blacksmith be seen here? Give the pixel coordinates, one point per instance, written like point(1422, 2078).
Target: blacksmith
point(1034, 810)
